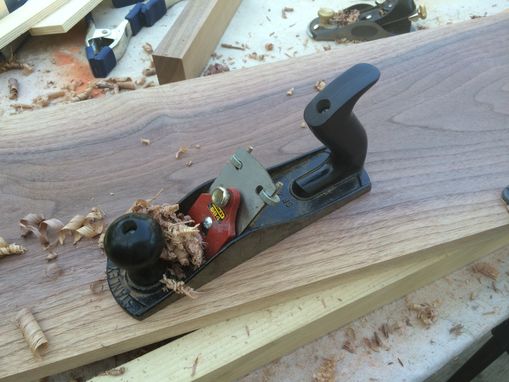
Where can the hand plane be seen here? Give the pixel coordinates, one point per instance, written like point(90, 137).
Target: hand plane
point(248, 208)
point(365, 22)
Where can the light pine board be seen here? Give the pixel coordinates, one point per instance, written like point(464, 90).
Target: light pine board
point(186, 48)
point(232, 348)
point(64, 18)
point(23, 18)
point(437, 126)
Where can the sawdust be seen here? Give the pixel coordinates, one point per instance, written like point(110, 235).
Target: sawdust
point(215, 69)
point(456, 330)
point(117, 372)
point(486, 269)
point(284, 12)
point(326, 372)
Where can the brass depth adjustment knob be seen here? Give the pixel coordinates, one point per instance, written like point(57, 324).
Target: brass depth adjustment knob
point(134, 242)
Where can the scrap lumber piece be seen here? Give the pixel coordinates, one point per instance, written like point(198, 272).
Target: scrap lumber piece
point(233, 348)
point(25, 17)
point(186, 48)
point(64, 18)
point(437, 159)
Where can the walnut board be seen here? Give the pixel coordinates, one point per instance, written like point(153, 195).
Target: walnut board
point(438, 159)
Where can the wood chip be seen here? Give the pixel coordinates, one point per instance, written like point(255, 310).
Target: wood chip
point(13, 88)
point(457, 330)
point(195, 365)
point(147, 47)
point(7, 249)
point(117, 372)
point(320, 85)
point(284, 11)
point(269, 46)
point(181, 151)
point(326, 372)
point(34, 336)
point(230, 46)
point(290, 92)
point(215, 69)
point(145, 141)
point(147, 72)
point(486, 269)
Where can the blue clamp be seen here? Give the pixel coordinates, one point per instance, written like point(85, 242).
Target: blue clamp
point(104, 47)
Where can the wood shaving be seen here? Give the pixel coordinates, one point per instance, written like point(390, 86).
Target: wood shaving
point(34, 336)
point(427, 313)
point(117, 372)
point(97, 286)
point(126, 85)
point(116, 80)
point(13, 88)
point(147, 47)
point(195, 365)
point(320, 85)
point(179, 287)
point(189, 163)
point(181, 151)
point(148, 72)
point(12, 64)
point(22, 106)
point(401, 362)
point(7, 249)
point(49, 230)
point(89, 226)
point(84, 95)
point(457, 330)
point(230, 46)
point(371, 344)
point(215, 69)
point(290, 92)
point(256, 56)
point(284, 11)
point(385, 329)
point(145, 141)
point(486, 269)
point(345, 17)
point(269, 46)
point(326, 372)
point(349, 346)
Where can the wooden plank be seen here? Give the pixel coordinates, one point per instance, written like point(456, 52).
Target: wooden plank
point(64, 18)
point(438, 160)
point(231, 349)
point(22, 19)
point(186, 48)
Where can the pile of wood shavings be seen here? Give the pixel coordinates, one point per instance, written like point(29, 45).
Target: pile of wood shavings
point(427, 313)
point(184, 243)
point(345, 18)
point(52, 232)
point(486, 269)
point(7, 249)
point(326, 372)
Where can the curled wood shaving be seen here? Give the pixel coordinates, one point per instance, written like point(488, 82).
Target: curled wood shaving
point(32, 332)
point(320, 85)
point(269, 46)
point(427, 313)
point(126, 85)
point(486, 269)
point(326, 371)
point(12, 64)
point(13, 88)
point(7, 249)
point(181, 151)
point(49, 230)
point(147, 47)
point(179, 287)
point(147, 72)
point(93, 225)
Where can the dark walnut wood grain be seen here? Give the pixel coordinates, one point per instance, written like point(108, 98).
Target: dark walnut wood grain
point(438, 127)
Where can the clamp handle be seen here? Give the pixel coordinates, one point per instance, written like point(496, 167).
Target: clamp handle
point(330, 117)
